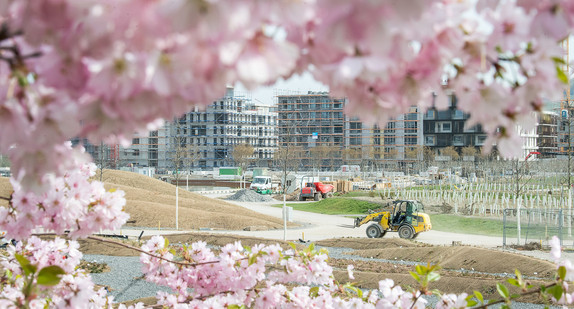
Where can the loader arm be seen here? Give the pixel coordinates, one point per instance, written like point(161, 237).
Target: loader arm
point(376, 216)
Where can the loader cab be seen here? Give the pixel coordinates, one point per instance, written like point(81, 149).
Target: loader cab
point(403, 211)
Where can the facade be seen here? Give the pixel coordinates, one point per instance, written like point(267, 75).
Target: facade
point(547, 130)
point(314, 123)
point(204, 139)
point(445, 128)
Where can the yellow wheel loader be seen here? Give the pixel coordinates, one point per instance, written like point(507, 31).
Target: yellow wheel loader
point(407, 218)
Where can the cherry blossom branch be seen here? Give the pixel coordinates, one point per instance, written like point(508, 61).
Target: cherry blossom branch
point(537, 291)
point(150, 254)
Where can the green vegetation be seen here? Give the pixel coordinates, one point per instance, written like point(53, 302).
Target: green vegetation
point(355, 194)
point(466, 225)
point(335, 206)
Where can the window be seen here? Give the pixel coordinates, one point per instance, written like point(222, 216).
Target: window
point(355, 125)
point(136, 152)
point(411, 124)
point(389, 140)
point(355, 141)
point(457, 114)
point(430, 114)
point(472, 129)
point(458, 140)
point(338, 129)
point(443, 127)
point(479, 140)
point(430, 140)
point(410, 140)
point(135, 141)
point(411, 116)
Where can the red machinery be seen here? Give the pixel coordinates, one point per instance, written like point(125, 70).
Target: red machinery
point(315, 190)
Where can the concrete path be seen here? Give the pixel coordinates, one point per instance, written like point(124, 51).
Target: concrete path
point(319, 226)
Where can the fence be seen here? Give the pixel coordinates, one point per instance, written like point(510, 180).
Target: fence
point(524, 226)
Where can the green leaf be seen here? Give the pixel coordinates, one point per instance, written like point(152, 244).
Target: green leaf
point(562, 272)
point(236, 307)
point(502, 290)
point(420, 269)
point(558, 60)
point(433, 276)
point(479, 296)
point(416, 276)
point(50, 275)
point(25, 264)
point(165, 243)
point(555, 291)
point(471, 302)
point(311, 247)
point(293, 246)
point(513, 282)
point(314, 291)
point(561, 75)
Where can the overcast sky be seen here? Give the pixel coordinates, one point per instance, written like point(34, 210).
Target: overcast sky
point(297, 83)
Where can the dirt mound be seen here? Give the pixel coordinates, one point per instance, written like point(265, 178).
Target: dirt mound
point(251, 196)
point(368, 243)
point(467, 258)
point(151, 203)
point(91, 246)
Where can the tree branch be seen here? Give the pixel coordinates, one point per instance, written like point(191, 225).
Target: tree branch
point(537, 291)
point(148, 253)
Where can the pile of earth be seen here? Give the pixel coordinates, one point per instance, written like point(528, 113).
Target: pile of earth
point(151, 203)
point(250, 196)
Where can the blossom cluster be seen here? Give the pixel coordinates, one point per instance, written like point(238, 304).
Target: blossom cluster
point(258, 277)
point(73, 289)
point(75, 205)
point(103, 69)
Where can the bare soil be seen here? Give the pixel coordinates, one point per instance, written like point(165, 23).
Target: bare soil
point(151, 203)
point(486, 266)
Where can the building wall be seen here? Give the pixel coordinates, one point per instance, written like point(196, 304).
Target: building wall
point(209, 136)
point(315, 119)
point(445, 128)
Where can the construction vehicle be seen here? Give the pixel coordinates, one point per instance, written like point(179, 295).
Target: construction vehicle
point(407, 218)
point(263, 185)
point(316, 190)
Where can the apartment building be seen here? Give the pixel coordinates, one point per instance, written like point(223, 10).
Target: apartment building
point(204, 139)
point(445, 128)
point(315, 124)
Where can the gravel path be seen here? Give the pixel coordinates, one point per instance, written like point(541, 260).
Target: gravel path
point(124, 280)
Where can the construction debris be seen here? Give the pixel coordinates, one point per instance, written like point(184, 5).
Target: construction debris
point(251, 196)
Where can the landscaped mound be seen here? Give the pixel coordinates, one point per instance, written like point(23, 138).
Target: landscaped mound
point(151, 203)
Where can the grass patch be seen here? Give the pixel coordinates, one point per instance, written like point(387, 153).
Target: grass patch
point(466, 225)
point(356, 194)
point(335, 206)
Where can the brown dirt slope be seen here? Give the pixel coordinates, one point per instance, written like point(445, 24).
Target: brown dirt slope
point(368, 243)
point(151, 202)
point(469, 258)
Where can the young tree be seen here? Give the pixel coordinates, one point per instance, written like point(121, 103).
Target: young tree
point(319, 154)
point(243, 156)
point(450, 152)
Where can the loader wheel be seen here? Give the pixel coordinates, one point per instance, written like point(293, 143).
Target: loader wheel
point(373, 231)
point(317, 197)
point(301, 198)
point(329, 194)
point(405, 232)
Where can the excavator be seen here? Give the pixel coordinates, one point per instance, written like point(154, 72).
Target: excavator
point(407, 218)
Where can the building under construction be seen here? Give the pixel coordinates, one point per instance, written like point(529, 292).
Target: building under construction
point(204, 139)
point(323, 137)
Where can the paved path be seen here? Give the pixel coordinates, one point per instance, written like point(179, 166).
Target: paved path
point(320, 226)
